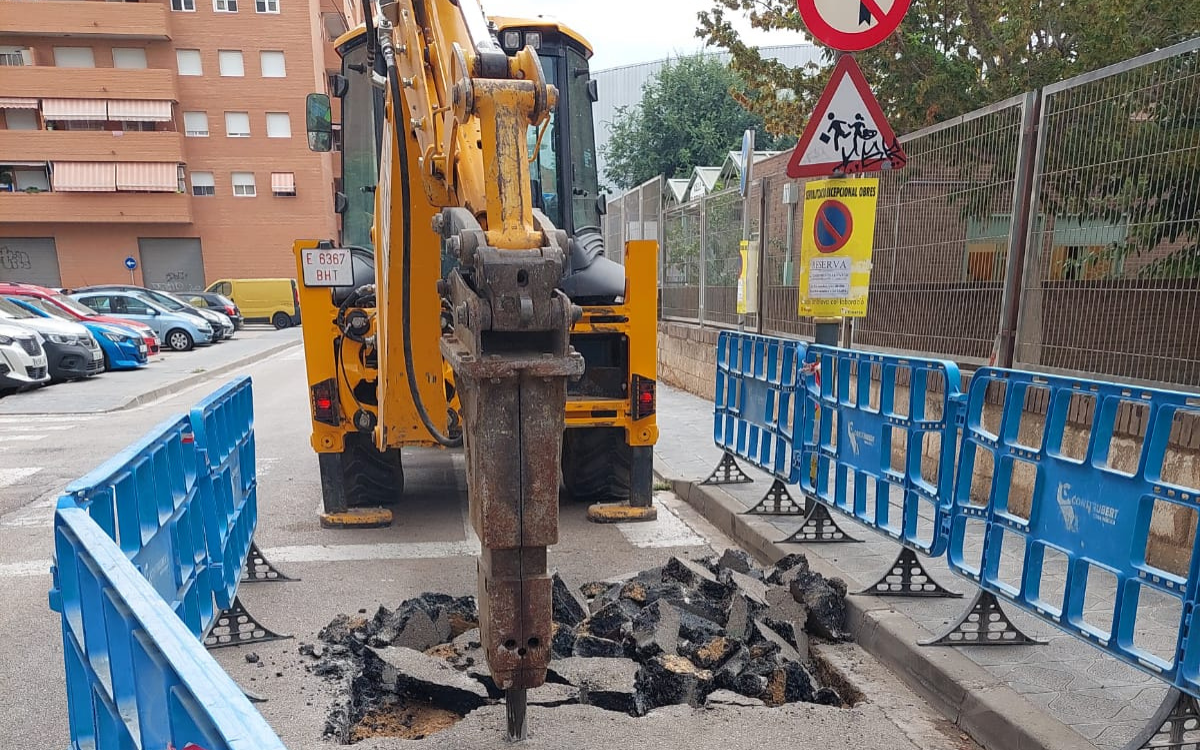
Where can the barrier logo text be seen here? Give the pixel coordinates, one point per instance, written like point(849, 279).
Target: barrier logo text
point(1068, 503)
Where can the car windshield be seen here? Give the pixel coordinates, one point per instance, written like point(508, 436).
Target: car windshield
point(13, 311)
point(74, 306)
point(41, 304)
point(163, 300)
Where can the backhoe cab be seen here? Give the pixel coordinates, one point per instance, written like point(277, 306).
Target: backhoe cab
point(608, 446)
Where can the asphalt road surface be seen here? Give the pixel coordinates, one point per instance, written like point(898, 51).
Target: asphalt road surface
point(430, 548)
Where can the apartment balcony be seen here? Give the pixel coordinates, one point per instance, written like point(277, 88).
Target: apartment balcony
point(88, 145)
point(95, 208)
point(87, 83)
point(75, 18)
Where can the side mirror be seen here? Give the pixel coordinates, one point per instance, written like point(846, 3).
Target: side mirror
point(319, 123)
point(593, 87)
point(602, 204)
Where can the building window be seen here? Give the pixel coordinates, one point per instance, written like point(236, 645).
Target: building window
point(237, 124)
point(283, 184)
point(195, 124)
point(232, 64)
point(21, 119)
point(203, 185)
point(266, 6)
point(188, 6)
point(986, 261)
point(133, 58)
point(272, 64)
point(279, 125)
point(225, 6)
point(188, 61)
point(74, 57)
point(243, 184)
point(15, 56)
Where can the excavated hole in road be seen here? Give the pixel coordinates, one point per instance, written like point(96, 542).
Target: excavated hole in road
point(696, 632)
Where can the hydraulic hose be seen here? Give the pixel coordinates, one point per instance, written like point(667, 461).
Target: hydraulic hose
point(393, 77)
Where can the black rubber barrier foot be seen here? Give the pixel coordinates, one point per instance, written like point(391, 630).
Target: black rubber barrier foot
point(907, 577)
point(728, 472)
point(984, 624)
point(777, 502)
point(237, 627)
point(819, 528)
point(258, 568)
point(1172, 727)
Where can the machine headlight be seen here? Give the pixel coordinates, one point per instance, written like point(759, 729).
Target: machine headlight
point(63, 338)
point(117, 338)
point(6, 340)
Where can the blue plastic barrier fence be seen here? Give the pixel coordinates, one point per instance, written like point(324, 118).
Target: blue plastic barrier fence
point(756, 401)
point(1055, 515)
point(224, 427)
point(144, 499)
point(882, 430)
point(136, 676)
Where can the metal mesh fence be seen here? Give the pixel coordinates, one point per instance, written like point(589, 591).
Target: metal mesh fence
point(722, 255)
point(942, 237)
point(681, 262)
point(1112, 276)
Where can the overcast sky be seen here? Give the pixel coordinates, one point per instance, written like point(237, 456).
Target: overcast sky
point(632, 31)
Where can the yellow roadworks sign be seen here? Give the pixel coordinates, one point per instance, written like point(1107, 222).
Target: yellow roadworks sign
point(835, 249)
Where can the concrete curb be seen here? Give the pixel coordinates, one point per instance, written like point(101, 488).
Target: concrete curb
point(183, 383)
point(995, 715)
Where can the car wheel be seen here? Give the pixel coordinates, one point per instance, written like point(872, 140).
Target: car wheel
point(281, 321)
point(179, 340)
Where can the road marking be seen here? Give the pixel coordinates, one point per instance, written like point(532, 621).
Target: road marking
point(70, 419)
point(26, 427)
point(668, 530)
point(9, 477)
point(366, 552)
point(22, 438)
point(27, 569)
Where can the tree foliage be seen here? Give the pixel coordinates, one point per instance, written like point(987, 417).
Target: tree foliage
point(951, 56)
point(688, 117)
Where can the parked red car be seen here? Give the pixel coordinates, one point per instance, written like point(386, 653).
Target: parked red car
point(77, 310)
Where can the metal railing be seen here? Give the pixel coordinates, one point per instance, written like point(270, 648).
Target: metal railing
point(1058, 229)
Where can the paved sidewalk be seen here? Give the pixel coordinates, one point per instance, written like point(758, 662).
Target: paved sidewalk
point(166, 374)
point(1099, 697)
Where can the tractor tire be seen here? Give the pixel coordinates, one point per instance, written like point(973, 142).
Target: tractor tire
point(596, 465)
point(370, 478)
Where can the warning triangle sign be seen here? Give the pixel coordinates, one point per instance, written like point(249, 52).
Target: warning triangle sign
point(847, 133)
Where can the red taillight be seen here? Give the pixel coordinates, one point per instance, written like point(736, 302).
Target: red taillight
point(324, 397)
point(644, 398)
point(230, 311)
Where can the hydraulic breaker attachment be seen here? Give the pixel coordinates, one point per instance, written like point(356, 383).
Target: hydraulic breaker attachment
point(511, 355)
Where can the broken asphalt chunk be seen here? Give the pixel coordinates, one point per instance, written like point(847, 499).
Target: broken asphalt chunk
point(567, 607)
point(608, 683)
point(405, 671)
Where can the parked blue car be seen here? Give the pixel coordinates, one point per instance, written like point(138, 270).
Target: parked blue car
point(178, 331)
point(124, 348)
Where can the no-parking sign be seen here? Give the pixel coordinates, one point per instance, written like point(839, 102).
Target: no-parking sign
point(835, 250)
point(852, 25)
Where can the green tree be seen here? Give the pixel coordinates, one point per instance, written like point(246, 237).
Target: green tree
point(950, 57)
point(689, 116)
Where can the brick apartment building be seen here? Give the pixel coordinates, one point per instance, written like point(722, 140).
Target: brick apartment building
point(170, 131)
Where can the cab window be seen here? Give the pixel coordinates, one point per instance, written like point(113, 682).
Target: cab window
point(132, 306)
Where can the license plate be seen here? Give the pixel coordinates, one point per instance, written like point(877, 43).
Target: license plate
point(142, 348)
point(39, 361)
point(97, 355)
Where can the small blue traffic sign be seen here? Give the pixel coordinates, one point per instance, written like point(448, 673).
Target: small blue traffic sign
point(131, 263)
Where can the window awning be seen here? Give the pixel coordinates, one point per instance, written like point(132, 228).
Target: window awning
point(159, 177)
point(16, 102)
point(75, 109)
point(83, 177)
point(139, 110)
point(283, 182)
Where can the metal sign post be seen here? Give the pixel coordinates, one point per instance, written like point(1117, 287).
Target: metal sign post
point(131, 264)
point(745, 294)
